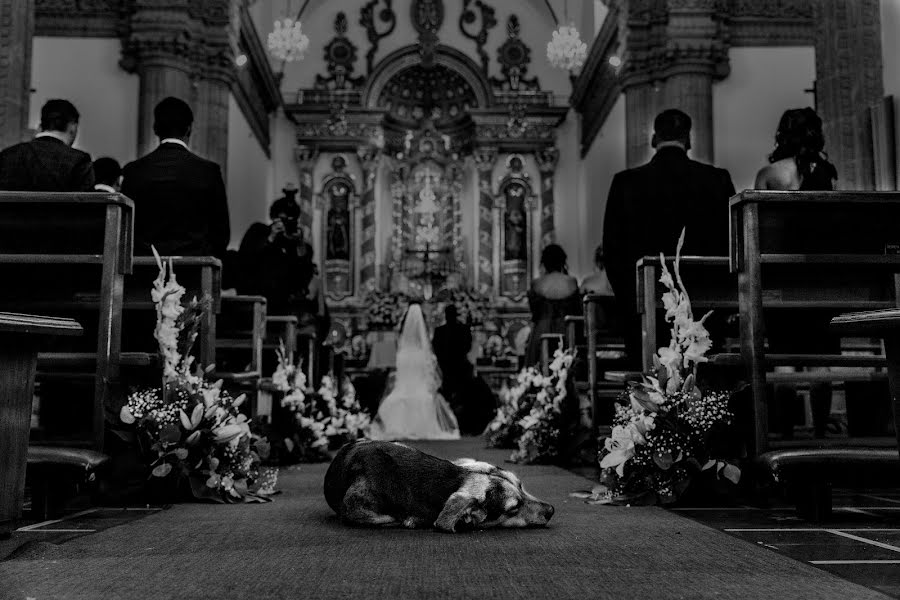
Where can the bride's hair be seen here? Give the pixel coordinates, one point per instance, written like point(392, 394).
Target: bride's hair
point(800, 137)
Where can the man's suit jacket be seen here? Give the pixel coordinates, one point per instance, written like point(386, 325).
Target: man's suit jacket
point(451, 344)
point(180, 206)
point(648, 206)
point(45, 164)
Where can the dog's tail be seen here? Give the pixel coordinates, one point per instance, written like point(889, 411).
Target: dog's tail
point(335, 482)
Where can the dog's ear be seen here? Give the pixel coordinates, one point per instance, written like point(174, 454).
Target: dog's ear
point(459, 510)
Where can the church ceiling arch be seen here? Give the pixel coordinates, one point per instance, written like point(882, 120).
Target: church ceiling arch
point(463, 68)
point(416, 93)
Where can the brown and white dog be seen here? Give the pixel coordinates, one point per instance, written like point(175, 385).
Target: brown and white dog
point(388, 483)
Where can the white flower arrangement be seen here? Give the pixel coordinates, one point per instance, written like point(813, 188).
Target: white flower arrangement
point(662, 435)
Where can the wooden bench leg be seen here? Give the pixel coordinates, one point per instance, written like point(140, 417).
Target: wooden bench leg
point(813, 500)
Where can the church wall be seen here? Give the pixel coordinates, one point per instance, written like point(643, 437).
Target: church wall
point(890, 56)
point(249, 184)
point(605, 158)
point(534, 18)
point(86, 72)
point(764, 82)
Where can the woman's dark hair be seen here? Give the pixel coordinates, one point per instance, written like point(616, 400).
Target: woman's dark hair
point(553, 259)
point(800, 137)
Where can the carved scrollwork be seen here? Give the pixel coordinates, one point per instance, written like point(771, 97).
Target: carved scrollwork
point(386, 15)
point(427, 18)
point(514, 56)
point(340, 54)
point(488, 22)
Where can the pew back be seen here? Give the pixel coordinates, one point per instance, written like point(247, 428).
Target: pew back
point(824, 250)
point(55, 247)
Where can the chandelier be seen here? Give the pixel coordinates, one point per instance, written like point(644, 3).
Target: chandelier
point(287, 41)
point(566, 50)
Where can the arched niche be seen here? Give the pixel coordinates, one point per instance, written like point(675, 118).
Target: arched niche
point(516, 219)
point(338, 202)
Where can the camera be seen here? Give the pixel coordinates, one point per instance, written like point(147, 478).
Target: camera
point(290, 225)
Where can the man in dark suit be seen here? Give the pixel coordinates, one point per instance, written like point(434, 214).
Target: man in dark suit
point(648, 206)
point(179, 198)
point(48, 163)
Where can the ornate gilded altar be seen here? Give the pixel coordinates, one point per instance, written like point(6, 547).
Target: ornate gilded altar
point(438, 177)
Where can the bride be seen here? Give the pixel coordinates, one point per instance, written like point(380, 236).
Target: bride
point(414, 410)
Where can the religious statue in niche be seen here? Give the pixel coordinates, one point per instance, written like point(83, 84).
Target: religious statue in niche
point(515, 238)
point(338, 232)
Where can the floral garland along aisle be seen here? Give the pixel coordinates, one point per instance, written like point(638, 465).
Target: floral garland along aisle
point(323, 419)
point(192, 429)
point(665, 432)
point(531, 416)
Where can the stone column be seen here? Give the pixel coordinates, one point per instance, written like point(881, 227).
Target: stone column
point(369, 161)
point(158, 49)
point(547, 160)
point(848, 82)
point(305, 157)
point(675, 50)
point(16, 33)
point(210, 134)
point(691, 92)
point(641, 101)
point(485, 159)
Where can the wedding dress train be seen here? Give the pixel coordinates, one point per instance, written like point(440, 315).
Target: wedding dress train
point(414, 410)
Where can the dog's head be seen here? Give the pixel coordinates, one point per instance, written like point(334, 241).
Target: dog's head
point(491, 497)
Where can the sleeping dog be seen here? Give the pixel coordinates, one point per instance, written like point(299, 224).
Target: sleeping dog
point(388, 483)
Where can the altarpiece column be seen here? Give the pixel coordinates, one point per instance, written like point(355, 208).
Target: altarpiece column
point(16, 33)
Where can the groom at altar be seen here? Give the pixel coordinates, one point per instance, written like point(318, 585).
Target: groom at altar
point(468, 395)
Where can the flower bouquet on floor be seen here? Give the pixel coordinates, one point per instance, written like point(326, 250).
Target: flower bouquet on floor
point(532, 414)
point(666, 432)
point(318, 420)
point(192, 430)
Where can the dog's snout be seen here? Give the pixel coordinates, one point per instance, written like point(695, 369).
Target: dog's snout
point(548, 511)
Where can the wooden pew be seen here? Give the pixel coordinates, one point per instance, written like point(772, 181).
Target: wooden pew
point(808, 474)
point(709, 283)
point(55, 247)
point(604, 351)
point(20, 337)
point(240, 330)
point(821, 250)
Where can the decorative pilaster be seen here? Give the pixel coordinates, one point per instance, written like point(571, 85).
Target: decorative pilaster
point(16, 32)
point(848, 82)
point(369, 159)
point(547, 160)
point(641, 106)
point(485, 159)
point(305, 157)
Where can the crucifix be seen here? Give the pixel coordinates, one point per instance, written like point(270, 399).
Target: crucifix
point(815, 97)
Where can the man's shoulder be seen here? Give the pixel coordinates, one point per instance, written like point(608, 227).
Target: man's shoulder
point(707, 169)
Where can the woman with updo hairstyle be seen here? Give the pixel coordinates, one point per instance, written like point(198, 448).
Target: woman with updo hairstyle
point(552, 297)
point(798, 161)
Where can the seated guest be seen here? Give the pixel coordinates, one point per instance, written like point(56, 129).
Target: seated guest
point(597, 282)
point(48, 163)
point(107, 175)
point(649, 205)
point(799, 163)
point(552, 297)
point(179, 198)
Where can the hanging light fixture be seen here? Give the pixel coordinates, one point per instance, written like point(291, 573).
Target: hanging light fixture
point(565, 50)
point(287, 42)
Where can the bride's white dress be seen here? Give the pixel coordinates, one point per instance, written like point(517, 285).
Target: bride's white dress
point(414, 410)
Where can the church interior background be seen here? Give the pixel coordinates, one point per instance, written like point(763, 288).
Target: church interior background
point(435, 148)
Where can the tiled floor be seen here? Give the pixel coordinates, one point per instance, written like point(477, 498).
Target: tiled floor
point(861, 542)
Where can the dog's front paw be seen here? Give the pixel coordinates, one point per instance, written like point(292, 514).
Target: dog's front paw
point(412, 522)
